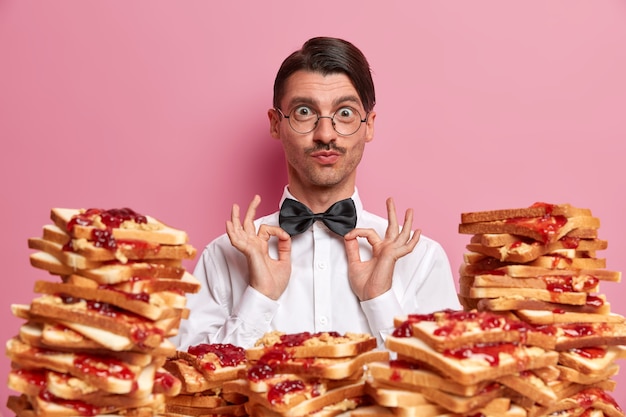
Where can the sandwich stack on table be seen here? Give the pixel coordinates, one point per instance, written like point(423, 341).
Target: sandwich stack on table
point(203, 370)
point(95, 339)
point(301, 374)
point(540, 264)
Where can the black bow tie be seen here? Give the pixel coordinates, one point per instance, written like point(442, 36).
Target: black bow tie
point(295, 217)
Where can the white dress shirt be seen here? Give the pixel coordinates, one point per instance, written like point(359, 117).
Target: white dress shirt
point(318, 297)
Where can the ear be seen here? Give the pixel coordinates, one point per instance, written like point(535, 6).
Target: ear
point(369, 124)
point(275, 120)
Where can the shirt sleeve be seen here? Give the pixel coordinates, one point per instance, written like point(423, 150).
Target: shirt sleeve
point(380, 312)
point(213, 317)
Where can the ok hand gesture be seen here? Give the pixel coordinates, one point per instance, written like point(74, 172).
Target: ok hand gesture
point(267, 275)
point(372, 278)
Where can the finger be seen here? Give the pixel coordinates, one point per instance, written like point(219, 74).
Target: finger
point(266, 231)
point(392, 228)
point(369, 234)
point(405, 233)
point(248, 222)
point(234, 216)
point(352, 249)
point(284, 240)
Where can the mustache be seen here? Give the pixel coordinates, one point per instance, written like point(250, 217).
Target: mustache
point(332, 146)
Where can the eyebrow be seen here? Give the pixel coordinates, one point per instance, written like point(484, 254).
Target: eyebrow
point(308, 100)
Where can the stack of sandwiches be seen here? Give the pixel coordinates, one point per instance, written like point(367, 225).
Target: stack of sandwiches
point(461, 363)
point(94, 341)
point(301, 374)
point(203, 370)
point(539, 264)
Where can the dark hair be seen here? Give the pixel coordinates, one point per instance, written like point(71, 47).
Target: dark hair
point(328, 56)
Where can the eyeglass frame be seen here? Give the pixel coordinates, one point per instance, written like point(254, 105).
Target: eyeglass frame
point(331, 117)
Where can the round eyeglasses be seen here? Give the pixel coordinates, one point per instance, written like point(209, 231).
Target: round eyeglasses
point(303, 119)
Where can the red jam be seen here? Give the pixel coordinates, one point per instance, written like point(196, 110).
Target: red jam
point(587, 397)
point(578, 329)
point(547, 226)
point(404, 330)
point(590, 352)
point(165, 380)
point(103, 367)
point(298, 339)
point(227, 354)
point(140, 296)
point(83, 408)
point(566, 283)
point(260, 372)
point(35, 377)
point(594, 301)
point(489, 352)
point(111, 218)
point(404, 364)
point(277, 392)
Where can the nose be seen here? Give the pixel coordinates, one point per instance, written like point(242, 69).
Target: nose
point(324, 131)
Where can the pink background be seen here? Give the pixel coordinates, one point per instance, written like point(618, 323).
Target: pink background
point(161, 106)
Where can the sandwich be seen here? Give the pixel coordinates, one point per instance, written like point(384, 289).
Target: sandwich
point(95, 341)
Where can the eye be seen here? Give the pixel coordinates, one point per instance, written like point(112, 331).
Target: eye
point(346, 114)
point(303, 113)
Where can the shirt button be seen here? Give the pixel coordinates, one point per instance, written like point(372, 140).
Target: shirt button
point(323, 321)
point(268, 317)
point(321, 265)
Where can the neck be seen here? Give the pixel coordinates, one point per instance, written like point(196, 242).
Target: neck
point(319, 199)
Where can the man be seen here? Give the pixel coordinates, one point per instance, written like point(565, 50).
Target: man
point(260, 276)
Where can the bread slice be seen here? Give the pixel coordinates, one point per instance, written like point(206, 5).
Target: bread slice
point(229, 410)
point(538, 209)
point(579, 335)
point(410, 375)
point(306, 345)
point(217, 361)
point(573, 375)
point(474, 364)
point(114, 376)
point(123, 251)
point(550, 317)
point(524, 252)
point(573, 297)
point(297, 403)
point(390, 396)
point(591, 360)
point(327, 368)
point(596, 304)
point(454, 329)
point(546, 229)
point(111, 273)
point(103, 316)
point(531, 386)
point(124, 224)
point(193, 381)
point(142, 303)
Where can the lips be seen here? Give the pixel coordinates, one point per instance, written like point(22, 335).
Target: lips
point(326, 157)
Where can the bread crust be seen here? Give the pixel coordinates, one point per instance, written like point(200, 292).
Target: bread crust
point(535, 210)
point(152, 230)
point(321, 345)
point(473, 369)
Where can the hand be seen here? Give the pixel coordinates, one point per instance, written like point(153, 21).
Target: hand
point(372, 278)
point(267, 275)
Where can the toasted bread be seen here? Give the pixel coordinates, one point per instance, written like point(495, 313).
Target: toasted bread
point(538, 209)
point(468, 367)
point(305, 344)
point(124, 224)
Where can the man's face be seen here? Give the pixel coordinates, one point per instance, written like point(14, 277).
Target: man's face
point(322, 157)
